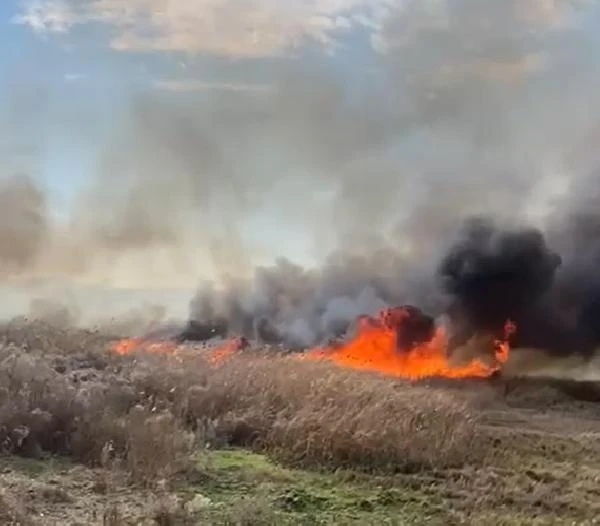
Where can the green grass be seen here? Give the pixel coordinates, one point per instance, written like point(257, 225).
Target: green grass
point(514, 488)
point(236, 487)
point(305, 497)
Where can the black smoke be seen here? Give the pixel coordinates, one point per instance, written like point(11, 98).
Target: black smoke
point(493, 274)
point(412, 326)
point(488, 275)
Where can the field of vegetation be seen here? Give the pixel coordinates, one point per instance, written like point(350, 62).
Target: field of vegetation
point(91, 437)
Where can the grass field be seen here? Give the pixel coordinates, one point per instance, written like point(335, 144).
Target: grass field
point(89, 437)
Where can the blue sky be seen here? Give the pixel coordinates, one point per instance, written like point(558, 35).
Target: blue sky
point(68, 89)
point(65, 90)
point(81, 64)
point(56, 81)
point(72, 72)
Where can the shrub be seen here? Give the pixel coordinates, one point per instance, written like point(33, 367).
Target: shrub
point(157, 446)
point(317, 414)
point(42, 411)
point(137, 410)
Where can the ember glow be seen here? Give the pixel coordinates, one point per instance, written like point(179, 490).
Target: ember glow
point(375, 348)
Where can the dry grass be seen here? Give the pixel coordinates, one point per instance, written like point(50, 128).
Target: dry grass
point(145, 419)
point(58, 339)
point(12, 513)
point(158, 448)
point(314, 414)
point(88, 414)
point(125, 410)
point(311, 414)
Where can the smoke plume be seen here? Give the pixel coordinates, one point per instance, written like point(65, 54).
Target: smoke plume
point(23, 224)
point(493, 276)
point(361, 166)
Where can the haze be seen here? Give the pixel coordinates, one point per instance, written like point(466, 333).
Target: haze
point(152, 145)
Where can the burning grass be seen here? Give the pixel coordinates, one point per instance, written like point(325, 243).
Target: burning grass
point(325, 439)
point(400, 342)
point(376, 348)
point(302, 412)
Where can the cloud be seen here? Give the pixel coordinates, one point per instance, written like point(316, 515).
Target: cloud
point(260, 28)
point(201, 85)
point(54, 16)
point(448, 124)
point(233, 28)
point(73, 77)
point(546, 13)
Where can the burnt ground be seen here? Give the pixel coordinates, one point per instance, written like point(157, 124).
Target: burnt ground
point(534, 459)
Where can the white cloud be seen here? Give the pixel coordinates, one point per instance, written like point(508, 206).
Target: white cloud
point(236, 28)
point(54, 16)
point(200, 85)
point(546, 13)
point(73, 77)
point(254, 28)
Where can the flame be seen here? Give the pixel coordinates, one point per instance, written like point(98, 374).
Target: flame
point(130, 345)
point(374, 348)
point(502, 345)
point(229, 348)
point(218, 355)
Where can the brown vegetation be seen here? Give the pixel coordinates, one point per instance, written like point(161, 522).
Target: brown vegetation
point(314, 414)
point(158, 436)
point(141, 410)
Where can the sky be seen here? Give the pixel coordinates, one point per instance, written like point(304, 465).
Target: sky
point(76, 65)
point(178, 139)
point(71, 69)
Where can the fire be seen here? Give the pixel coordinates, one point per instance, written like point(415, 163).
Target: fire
point(226, 350)
point(130, 345)
point(375, 348)
point(503, 345)
point(218, 355)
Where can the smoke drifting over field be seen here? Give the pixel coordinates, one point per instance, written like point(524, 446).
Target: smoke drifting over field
point(487, 276)
point(460, 109)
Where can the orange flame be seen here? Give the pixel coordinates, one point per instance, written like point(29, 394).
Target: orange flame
point(222, 353)
point(375, 348)
point(130, 345)
point(218, 355)
point(503, 345)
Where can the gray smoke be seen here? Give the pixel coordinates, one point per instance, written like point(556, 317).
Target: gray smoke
point(23, 224)
point(469, 108)
point(472, 120)
point(288, 304)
